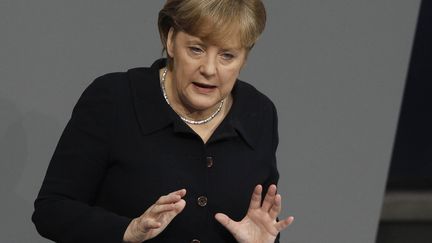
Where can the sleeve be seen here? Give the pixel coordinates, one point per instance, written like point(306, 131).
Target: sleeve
point(274, 174)
point(273, 178)
point(63, 209)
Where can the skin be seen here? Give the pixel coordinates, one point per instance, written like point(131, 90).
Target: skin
point(259, 225)
point(199, 62)
point(202, 75)
point(156, 218)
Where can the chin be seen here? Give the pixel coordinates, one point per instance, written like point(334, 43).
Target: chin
point(201, 105)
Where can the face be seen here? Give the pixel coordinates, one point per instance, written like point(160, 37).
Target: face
point(202, 73)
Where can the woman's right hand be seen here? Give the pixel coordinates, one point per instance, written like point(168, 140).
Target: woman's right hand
point(156, 218)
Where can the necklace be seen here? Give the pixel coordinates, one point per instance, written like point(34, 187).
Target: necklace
point(193, 122)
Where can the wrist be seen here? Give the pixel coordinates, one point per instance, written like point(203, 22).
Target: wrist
point(129, 235)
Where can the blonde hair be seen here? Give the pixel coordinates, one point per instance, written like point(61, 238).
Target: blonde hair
point(214, 20)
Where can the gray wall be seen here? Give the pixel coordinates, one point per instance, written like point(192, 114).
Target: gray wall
point(334, 68)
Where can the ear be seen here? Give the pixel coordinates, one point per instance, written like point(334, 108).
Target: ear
point(170, 42)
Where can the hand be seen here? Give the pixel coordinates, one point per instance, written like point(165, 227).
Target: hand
point(259, 225)
point(156, 218)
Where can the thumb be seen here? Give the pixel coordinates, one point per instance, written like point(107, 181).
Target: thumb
point(228, 223)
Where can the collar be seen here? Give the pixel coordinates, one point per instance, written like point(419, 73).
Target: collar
point(154, 113)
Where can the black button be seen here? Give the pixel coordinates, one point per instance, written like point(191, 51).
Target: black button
point(202, 201)
point(195, 241)
point(210, 161)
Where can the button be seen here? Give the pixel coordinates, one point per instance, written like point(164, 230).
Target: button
point(202, 201)
point(195, 241)
point(210, 161)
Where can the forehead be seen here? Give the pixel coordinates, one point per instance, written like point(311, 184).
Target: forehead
point(231, 42)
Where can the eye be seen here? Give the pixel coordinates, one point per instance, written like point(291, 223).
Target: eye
point(227, 56)
point(195, 50)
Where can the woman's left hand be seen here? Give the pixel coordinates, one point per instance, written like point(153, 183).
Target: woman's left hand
point(259, 225)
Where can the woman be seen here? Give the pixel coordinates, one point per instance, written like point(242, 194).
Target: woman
point(171, 153)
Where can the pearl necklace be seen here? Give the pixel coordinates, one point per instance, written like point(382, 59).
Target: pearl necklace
point(193, 122)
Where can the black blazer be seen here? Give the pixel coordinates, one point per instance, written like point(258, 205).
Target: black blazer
point(124, 147)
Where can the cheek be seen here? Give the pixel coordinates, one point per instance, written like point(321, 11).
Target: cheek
point(228, 80)
point(229, 76)
point(184, 75)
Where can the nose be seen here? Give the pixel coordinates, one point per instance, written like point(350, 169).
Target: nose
point(208, 66)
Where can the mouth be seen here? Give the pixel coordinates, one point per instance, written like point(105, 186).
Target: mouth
point(204, 88)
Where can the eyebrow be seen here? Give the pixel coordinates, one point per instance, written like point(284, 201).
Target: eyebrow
point(194, 40)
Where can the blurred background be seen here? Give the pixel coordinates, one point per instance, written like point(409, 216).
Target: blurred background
point(407, 209)
point(337, 71)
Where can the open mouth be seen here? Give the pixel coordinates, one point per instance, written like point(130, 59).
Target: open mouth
point(204, 86)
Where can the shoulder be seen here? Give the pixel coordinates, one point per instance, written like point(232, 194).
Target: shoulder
point(256, 115)
point(106, 84)
point(115, 83)
point(252, 98)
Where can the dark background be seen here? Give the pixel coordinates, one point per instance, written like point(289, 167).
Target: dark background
point(411, 164)
point(407, 208)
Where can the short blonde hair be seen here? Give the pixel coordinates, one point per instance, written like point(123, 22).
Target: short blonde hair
point(214, 20)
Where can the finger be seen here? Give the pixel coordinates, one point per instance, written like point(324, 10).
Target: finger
point(269, 198)
point(172, 210)
point(181, 192)
point(256, 198)
point(281, 225)
point(170, 198)
point(161, 208)
point(276, 207)
point(228, 223)
point(149, 224)
point(179, 206)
